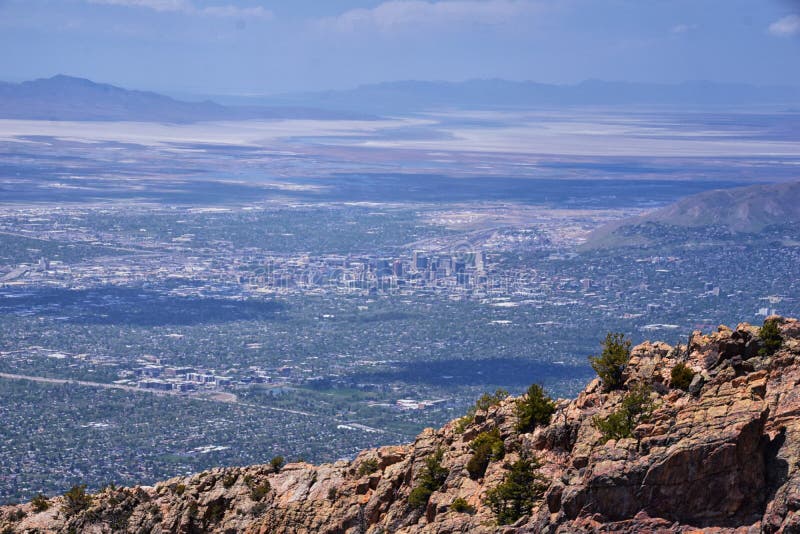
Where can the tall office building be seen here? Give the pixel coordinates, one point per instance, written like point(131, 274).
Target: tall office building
point(480, 261)
point(420, 260)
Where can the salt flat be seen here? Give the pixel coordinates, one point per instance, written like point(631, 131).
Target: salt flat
point(591, 133)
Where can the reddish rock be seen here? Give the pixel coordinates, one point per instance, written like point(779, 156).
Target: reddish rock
point(722, 458)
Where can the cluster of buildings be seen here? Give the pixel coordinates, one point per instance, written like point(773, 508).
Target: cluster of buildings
point(368, 273)
point(158, 377)
point(458, 272)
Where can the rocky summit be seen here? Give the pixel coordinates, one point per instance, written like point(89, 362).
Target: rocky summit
point(715, 448)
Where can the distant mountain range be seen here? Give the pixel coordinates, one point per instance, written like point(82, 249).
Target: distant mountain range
point(77, 99)
point(742, 210)
point(504, 94)
point(67, 98)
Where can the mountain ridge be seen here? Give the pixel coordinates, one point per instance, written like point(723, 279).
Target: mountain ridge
point(68, 98)
point(720, 452)
point(418, 95)
point(736, 212)
point(63, 97)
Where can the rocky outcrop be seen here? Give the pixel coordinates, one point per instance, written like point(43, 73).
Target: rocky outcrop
point(722, 457)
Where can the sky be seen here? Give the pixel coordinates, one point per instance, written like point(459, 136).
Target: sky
point(260, 47)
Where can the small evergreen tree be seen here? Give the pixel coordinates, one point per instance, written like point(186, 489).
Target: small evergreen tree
point(431, 478)
point(461, 506)
point(277, 463)
point(770, 336)
point(229, 480)
point(611, 363)
point(368, 466)
point(258, 487)
point(535, 409)
point(40, 503)
point(485, 402)
point(681, 376)
point(14, 516)
point(486, 447)
point(636, 408)
point(519, 491)
point(76, 500)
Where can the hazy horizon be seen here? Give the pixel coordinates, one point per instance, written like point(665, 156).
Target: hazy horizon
point(357, 253)
point(255, 98)
point(236, 48)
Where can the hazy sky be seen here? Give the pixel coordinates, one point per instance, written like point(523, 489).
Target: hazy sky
point(269, 46)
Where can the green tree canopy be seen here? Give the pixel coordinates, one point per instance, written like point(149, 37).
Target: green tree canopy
point(519, 491)
point(636, 408)
point(534, 409)
point(611, 363)
point(681, 376)
point(277, 463)
point(486, 447)
point(76, 500)
point(431, 478)
point(771, 338)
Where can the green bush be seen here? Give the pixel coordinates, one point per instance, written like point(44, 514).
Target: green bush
point(636, 408)
point(431, 478)
point(522, 486)
point(681, 376)
point(486, 447)
point(40, 503)
point(535, 409)
point(179, 489)
point(259, 490)
point(463, 422)
point(16, 515)
point(419, 496)
point(76, 500)
point(485, 402)
point(461, 506)
point(368, 467)
point(229, 480)
point(611, 363)
point(771, 338)
point(277, 463)
point(215, 511)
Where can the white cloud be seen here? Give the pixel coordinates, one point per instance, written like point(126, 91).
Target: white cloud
point(186, 6)
point(157, 5)
point(788, 25)
point(683, 28)
point(403, 14)
point(236, 12)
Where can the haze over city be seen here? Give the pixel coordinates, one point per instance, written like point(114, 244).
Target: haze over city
point(399, 266)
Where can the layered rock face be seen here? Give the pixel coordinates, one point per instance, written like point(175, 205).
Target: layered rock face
point(722, 456)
